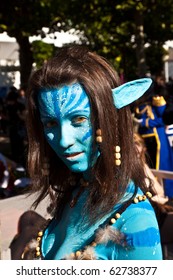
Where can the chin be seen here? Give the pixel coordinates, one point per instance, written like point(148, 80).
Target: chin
point(78, 168)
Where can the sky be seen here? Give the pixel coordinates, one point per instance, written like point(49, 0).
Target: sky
point(61, 38)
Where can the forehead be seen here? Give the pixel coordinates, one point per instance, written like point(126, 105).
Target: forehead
point(66, 98)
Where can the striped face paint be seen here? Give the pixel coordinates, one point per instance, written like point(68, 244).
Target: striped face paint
point(65, 114)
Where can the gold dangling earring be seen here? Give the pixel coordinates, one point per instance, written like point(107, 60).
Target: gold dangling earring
point(99, 136)
point(117, 155)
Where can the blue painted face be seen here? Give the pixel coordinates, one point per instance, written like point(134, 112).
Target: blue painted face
point(65, 114)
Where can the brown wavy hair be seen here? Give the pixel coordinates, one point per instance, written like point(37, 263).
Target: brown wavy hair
point(98, 78)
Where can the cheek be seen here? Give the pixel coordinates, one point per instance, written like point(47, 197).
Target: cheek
point(87, 135)
point(87, 139)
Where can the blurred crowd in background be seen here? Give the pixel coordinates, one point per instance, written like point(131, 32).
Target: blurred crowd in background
point(152, 117)
point(13, 177)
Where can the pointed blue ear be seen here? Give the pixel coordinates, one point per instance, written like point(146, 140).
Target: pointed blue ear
point(129, 92)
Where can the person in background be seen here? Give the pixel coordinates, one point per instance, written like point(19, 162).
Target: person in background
point(168, 121)
point(82, 155)
point(149, 111)
point(15, 115)
point(160, 87)
point(22, 95)
point(169, 129)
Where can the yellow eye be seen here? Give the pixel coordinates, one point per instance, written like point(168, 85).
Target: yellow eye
point(79, 120)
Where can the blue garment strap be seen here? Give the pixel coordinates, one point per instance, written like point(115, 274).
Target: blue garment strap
point(129, 92)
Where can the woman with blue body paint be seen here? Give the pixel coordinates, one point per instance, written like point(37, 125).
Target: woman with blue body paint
point(82, 155)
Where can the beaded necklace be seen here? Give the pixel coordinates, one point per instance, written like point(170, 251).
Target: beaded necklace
point(112, 220)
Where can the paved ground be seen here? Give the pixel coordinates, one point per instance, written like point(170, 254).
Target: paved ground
point(12, 208)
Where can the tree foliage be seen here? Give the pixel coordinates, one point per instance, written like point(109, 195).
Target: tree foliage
point(123, 30)
point(129, 33)
point(22, 19)
point(41, 52)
